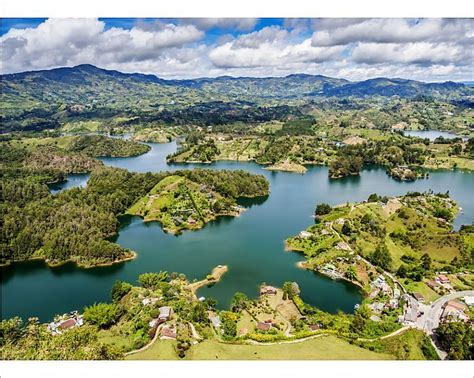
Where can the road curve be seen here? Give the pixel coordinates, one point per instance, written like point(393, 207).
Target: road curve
point(430, 319)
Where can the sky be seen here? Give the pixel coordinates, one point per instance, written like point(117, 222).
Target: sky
point(354, 49)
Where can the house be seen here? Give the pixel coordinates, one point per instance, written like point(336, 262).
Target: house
point(304, 234)
point(165, 313)
point(454, 310)
point(393, 303)
point(419, 297)
point(396, 293)
point(67, 322)
point(168, 333)
point(262, 326)
point(411, 314)
point(443, 279)
point(268, 290)
point(191, 220)
point(314, 327)
point(216, 321)
point(432, 284)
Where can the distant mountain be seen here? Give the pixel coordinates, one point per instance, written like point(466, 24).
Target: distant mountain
point(94, 92)
point(394, 87)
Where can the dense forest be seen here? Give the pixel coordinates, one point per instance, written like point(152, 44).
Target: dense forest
point(74, 225)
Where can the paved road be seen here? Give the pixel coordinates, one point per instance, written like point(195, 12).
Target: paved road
point(430, 319)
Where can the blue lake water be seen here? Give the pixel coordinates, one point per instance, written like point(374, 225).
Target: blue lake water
point(251, 245)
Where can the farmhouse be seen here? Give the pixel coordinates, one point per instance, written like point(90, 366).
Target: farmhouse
point(442, 279)
point(67, 322)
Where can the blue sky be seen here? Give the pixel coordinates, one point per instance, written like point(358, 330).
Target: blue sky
point(356, 49)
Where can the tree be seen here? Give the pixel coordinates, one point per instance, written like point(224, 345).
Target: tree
point(456, 338)
point(351, 273)
point(151, 280)
point(102, 314)
point(381, 257)
point(346, 229)
point(322, 209)
point(426, 262)
point(211, 302)
point(119, 290)
point(239, 302)
point(199, 312)
point(290, 289)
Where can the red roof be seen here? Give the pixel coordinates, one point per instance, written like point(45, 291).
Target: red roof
point(67, 324)
point(263, 326)
point(168, 332)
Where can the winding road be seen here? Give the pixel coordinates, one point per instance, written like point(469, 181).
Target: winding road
point(432, 313)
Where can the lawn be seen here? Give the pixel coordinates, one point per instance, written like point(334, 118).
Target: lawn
point(420, 287)
point(160, 350)
point(323, 348)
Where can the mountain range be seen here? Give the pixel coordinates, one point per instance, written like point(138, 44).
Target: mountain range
point(47, 92)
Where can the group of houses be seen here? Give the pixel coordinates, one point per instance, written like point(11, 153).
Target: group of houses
point(65, 322)
point(454, 311)
point(439, 283)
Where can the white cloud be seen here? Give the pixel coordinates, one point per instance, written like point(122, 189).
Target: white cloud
point(59, 42)
point(239, 24)
point(270, 46)
point(422, 53)
point(356, 49)
point(393, 30)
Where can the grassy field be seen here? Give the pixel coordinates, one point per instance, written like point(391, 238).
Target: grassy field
point(323, 348)
point(160, 350)
point(420, 287)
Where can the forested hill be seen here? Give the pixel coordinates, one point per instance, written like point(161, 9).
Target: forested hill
point(45, 99)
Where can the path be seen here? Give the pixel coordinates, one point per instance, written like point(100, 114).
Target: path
point(157, 334)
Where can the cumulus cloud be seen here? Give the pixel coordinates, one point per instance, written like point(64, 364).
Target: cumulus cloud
point(270, 46)
point(239, 24)
point(59, 42)
point(422, 53)
point(356, 49)
point(342, 32)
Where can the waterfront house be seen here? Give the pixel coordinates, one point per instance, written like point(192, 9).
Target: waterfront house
point(268, 290)
point(66, 322)
point(304, 234)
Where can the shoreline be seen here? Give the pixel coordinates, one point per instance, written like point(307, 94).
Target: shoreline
point(50, 264)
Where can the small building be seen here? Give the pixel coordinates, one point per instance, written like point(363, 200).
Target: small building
point(168, 333)
point(396, 293)
point(314, 327)
point(304, 234)
point(454, 311)
point(375, 318)
point(268, 290)
point(191, 220)
point(165, 313)
point(149, 301)
point(442, 279)
point(419, 297)
point(263, 326)
point(432, 284)
point(393, 303)
point(67, 322)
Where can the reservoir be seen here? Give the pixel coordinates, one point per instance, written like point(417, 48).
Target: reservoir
point(252, 245)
